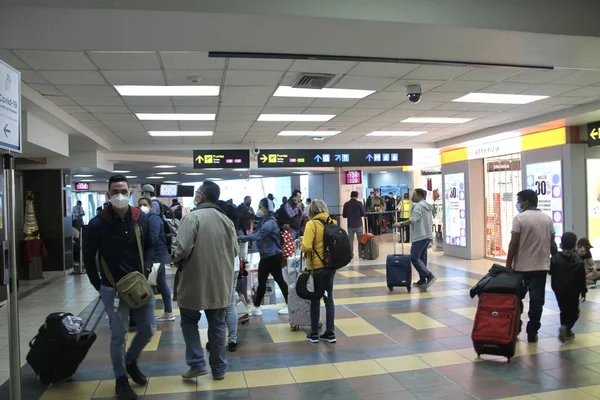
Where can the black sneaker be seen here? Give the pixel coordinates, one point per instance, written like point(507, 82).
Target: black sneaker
point(136, 375)
point(420, 282)
point(430, 280)
point(532, 337)
point(207, 346)
point(313, 337)
point(123, 390)
point(329, 336)
point(233, 346)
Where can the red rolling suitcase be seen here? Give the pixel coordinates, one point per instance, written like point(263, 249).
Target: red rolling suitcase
point(497, 324)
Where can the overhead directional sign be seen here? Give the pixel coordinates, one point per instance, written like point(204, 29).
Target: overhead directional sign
point(10, 108)
point(594, 134)
point(221, 159)
point(335, 158)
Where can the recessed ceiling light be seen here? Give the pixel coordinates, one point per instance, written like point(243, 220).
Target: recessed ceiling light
point(171, 182)
point(299, 173)
point(120, 172)
point(131, 176)
point(88, 180)
point(308, 133)
point(175, 117)
point(396, 133)
point(295, 117)
point(434, 120)
point(318, 139)
point(155, 177)
point(180, 133)
point(166, 173)
point(194, 173)
point(256, 176)
point(497, 98)
point(288, 91)
point(82, 176)
point(383, 172)
point(149, 90)
point(240, 169)
point(213, 169)
point(164, 166)
point(213, 179)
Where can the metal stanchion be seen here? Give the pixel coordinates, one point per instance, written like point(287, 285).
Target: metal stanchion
point(14, 344)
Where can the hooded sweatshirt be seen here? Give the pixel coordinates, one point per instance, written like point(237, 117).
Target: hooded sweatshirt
point(568, 274)
point(421, 219)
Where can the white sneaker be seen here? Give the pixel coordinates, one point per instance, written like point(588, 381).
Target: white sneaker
point(167, 266)
point(284, 311)
point(166, 317)
point(255, 311)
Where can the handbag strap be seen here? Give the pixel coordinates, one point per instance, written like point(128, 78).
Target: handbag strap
point(138, 239)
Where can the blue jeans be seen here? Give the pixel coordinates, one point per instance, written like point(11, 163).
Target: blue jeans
point(119, 326)
point(325, 277)
point(217, 330)
point(536, 285)
point(231, 315)
point(161, 281)
point(418, 257)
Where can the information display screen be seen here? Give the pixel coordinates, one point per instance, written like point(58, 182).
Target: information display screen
point(286, 158)
point(167, 190)
point(546, 180)
point(82, 186)
point(455, 210)
point(353, 177)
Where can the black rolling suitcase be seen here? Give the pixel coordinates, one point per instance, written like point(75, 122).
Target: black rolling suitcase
point(398, 268)
point(54, 353)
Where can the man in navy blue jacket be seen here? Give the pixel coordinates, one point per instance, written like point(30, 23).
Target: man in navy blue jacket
point(111, 237)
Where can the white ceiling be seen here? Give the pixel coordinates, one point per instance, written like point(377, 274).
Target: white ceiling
point(81, 82)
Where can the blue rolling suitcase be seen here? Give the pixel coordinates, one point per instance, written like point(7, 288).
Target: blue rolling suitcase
point(398, 269)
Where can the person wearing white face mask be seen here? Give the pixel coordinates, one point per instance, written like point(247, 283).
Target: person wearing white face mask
point(119, 236)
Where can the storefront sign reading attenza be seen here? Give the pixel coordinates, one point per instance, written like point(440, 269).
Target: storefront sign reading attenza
point(593, 134)
point(500, 148)
point(504, 165)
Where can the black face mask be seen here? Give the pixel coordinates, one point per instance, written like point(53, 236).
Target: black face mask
point(248, 203)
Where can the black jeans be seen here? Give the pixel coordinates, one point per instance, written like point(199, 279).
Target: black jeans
point(270, 265)
point(536, 285)
point(325, 277)
point(569, 309)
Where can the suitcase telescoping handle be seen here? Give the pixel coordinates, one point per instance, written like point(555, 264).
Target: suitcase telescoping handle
point(401, 237)
point(83, 328)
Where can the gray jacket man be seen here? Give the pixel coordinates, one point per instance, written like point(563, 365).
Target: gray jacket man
point(207, 242)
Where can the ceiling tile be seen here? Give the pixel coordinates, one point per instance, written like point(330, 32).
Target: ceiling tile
point(474, 114)
point(582, 78)
point(239, 110)
point(73, 77)
point(508, 88)
point(197, 125)
point(116, 60)
point(303, 126)
point(154, 77)
point(350, 118)
point(246, 95)
point(252, 78)
point(161, 125)
point(494, 107)
point(440, 72)
point(84, 117)
point(108, 109)
point(180, 76)
point(46, 90)
point(282, 110)
point(325, 67)
point(196, 101)
point(335, 103)
point(383, 70)
point(190, 60)
point(32, 77)
point(196, 110)
point(399, 96)
point(115, 117)
point(364, 83)
point(93, 124)
point(259, 65)
point(551, 90)
point(461, 86)
point(422, 105)
point(381, 104)
point(125, 126)
point(290, 102)
point(98, 100)
point(457, 107)
point(489, 74)
point(426, 85)
point(148, 101)
point(234, 126)
point(11, 59)
point(61, 100)
point(438, 114)
point(440, 96)
point(327, 110)
point(590, 91)
point(73, 109)
point(363, 111)
point(539, 76)
point(88, 91)
point(56, 60)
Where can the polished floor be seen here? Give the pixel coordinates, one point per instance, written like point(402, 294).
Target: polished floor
point(390, 346)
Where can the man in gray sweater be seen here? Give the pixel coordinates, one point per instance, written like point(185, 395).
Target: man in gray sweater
point(420, 222)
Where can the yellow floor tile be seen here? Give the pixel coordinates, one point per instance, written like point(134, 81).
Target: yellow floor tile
point(106, 389)
point(315, 373)
point(419, 320)
point(280, 333)
point(152, 346)
point(472, 356)
point(365, 285)
point(351, 274)
point(568, 394)
point(591, 390)
point(159, 312)
point(587, 339)
point(552, 344)
point(526, 397)
point(356, 327)
point(468, 312)
point(170, 384)
point(353, 369)
point(271, 377)
point(71, 391)
point(381, 271)
point(233, 380)
point(402, 363)
point(524, 348)
point(443, 358)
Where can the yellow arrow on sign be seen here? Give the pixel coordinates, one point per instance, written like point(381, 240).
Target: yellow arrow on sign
point(199, 159)
point(594, 134)
point(264, 158)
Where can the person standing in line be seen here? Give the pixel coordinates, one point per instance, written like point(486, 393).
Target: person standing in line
point(584, 250)
point(354, 211)
point(269, 245)
point(149, 192)
point(78, 214)
point(531, 245)
point(112, 237)
point(313, 246)
point(420, 222)
point(245, 215)
point(293, 209)
point(176, 209)
point(567, 273)
point(376, 207)
point(207, 245)
point(161, 256)
point(405, 208)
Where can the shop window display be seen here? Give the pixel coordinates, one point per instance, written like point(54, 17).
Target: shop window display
point(593, 201)
point(546, 180)
point(455, 212)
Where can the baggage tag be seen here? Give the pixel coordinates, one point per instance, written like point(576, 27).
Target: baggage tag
point(116, 303)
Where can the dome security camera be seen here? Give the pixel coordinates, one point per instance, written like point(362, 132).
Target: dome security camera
point(413, 92)
point(255, 151)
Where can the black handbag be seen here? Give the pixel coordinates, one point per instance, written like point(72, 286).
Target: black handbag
point(302, 286)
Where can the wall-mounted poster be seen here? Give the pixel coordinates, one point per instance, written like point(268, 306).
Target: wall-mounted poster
point(546, 180)
point(593, 201)
point(455, 210)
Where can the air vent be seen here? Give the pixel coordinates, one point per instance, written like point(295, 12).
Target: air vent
point(312, 81)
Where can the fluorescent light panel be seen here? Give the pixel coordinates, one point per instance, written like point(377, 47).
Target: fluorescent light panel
point(88, 180)
point(396, 133)
point(180, 133)
point(255, 176)
point(149, 90)
point(497, 98)
point(308, 133)
point(213, 179)
point(171, 182)
point(195, 173)
point(436, 120)
point(326, 93)
point(131, 176)
point(154, 177)
point(164, 166)
point(295, 117)
point(175, 117)
point(82, 176)
point(167, 173)
point(118, 171)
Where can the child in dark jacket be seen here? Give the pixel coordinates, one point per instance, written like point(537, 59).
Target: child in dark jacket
point(568, 283)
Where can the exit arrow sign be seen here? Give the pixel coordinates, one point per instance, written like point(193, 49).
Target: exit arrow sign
point(594, 134)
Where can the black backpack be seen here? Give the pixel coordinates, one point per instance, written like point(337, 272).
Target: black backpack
point(281, 216)
point(337, 253)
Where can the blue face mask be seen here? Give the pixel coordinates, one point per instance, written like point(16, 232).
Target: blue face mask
point(520, 208)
